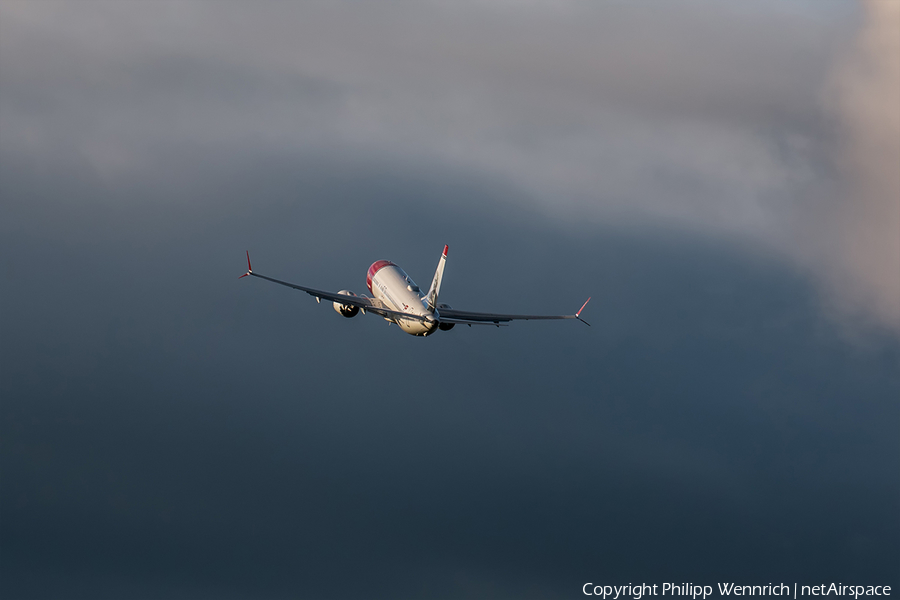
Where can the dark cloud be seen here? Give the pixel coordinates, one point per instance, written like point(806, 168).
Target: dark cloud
point(170, 430)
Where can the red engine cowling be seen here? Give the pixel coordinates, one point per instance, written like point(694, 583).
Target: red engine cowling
point(346, 310)
point(445, 326)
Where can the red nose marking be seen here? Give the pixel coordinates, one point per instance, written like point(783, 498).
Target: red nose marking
point(376, 266)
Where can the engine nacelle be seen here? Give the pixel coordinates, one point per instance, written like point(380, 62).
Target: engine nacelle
point(346, 310)
point(445, 326)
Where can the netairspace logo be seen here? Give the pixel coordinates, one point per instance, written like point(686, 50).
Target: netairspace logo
point(638, 591)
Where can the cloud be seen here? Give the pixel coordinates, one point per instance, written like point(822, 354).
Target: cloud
point(858, 237)
point(700, 115)
point(167, 428)
point(200, 432)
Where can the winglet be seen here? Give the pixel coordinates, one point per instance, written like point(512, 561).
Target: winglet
point(578, 314)
point(249, 268)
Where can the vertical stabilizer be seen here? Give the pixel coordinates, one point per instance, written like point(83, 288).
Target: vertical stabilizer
point(436, 282)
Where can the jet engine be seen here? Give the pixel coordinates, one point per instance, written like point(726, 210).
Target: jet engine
point(444, 326)
point(346, 310)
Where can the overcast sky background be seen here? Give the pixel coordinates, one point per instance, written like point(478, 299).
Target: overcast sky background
point(721, 177)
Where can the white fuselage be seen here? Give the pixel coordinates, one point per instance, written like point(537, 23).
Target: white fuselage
point(392, 286)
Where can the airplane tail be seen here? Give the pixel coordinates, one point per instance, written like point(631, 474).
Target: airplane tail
point(436, 282)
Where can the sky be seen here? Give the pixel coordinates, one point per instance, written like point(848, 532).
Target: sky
point(719, 177)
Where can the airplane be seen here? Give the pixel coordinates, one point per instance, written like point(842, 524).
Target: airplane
point(397, 299)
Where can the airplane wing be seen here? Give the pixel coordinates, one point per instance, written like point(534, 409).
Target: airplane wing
point(449, 315)
point(365, 304)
